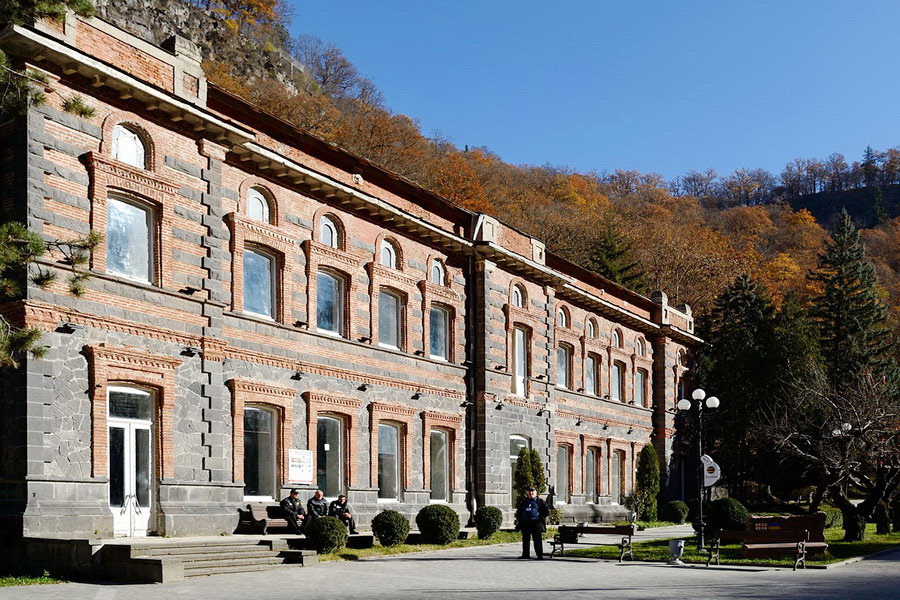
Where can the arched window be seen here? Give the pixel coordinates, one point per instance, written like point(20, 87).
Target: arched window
point(639, 347)
point(388, 461)
point(438, 274)
point(128, 147)
point(129, 239)
point(562, 317)
point(330, 455)
point(518, 296)
point(617, 338)
point(388, 254)
point(258, 205)
point(590, 329)
point(328, 232)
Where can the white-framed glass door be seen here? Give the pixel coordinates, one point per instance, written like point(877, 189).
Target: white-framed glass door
point(130, 460)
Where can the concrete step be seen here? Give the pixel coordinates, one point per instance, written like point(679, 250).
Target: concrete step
point(236, 562)
point(198, 550)
point(235, 569)
point(221, 556)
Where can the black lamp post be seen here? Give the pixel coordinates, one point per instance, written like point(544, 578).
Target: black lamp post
point(684, 404)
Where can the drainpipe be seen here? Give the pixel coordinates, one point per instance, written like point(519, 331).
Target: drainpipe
point(470, 406)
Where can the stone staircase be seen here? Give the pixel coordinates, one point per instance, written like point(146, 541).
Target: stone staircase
point(163, 560)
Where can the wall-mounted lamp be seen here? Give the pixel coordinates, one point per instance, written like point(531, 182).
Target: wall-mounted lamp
point(541, 376)
point(606, 426)
point(578, 423)
point(190, 351)
point(630, 430)
point(467, 403)
point(499, 405)
point(580, 389)
point(300, 324)
point(189, 290)
point(631, 401)
point(66, 327)
point(364, 338)
point(298, 375)
point(606, 396)
point(416, 395)
point(543, 411)
point(419, 353)
point(363, 387)
point(500, 367)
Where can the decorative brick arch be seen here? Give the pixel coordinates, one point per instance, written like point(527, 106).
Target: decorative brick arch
point(385, 236)
point(344, 262)
point(327, 211)
point(281, 400)
point(268, 191)
point(136, 124)
point(347, 409)
point(131, 365)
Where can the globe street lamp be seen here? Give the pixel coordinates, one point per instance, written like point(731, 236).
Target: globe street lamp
point(684, 404)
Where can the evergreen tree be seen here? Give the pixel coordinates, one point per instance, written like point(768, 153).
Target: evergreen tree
point(647, 486)
point(538, 477)
point(523, 478)
point(613, 257)
point(851, 319)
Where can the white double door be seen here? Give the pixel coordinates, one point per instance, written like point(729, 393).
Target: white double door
point(130, 468)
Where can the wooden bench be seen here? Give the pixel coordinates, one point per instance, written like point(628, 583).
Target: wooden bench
point(262, 517)
point(569, 534)
point(773, 537)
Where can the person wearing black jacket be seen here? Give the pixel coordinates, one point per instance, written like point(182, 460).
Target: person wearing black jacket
point(339, 509)
point(317, 506)
point(293, 511)
point(531, 518)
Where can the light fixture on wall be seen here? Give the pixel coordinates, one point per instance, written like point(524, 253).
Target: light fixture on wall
point(606, 396)
point(466, 404)
point(298, 375)
point(364, 339)
point(580, 390)
point(605, 426)
point(419, 353)
point(189, 290)
point(500, 367)
point(543, 411)
point(630, 430)
point(300, 324)
point(66, 327)
point(578, 423)
point(541, 376)
point(363, 387)
point(499, 405)
point(416, 395)
point(190, 351)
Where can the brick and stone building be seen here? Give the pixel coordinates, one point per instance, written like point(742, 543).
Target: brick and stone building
point(268, 311)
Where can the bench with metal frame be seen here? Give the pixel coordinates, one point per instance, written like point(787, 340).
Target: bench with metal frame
point(569, 534)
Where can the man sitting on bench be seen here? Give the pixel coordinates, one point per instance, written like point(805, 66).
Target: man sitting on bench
point(293, 511)
point(339, 509)
point(317, 506)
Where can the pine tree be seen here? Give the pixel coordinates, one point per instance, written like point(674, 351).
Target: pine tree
point(538, 477)
point(851, 318)
point(613, 257)
point(647, 486)
point(523, 478)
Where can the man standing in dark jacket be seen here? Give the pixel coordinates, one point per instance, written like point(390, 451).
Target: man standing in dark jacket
point(339, 509)
point(531, 518)
point(317, 506)
point(293, 511)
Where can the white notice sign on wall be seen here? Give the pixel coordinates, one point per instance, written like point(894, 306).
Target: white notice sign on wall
point(300, 468)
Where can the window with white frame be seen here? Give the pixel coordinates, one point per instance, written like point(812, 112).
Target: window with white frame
point(640, 391)
point(388, 254)
point(520, 361)
point(617, 477)
point(517, 443)
point(518, 296)
point(617, 338)
point(440, 465)
point(590, 329)
point(438, 330)
point(563, 452)
point(390, 318)
point(639, 347)
point(438, 274)
point(259, 282)
point(563, 366)
point(128, 147)
point(330, 303)
point(590, 472)
point(562, 317)
point(591, 375)
point(617, 386)
point(258, 205)
point(388, 461)
point(329, 455)
point(328, 232)
point(129, 239)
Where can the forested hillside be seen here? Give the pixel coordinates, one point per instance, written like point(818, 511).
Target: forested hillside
point(690, 237)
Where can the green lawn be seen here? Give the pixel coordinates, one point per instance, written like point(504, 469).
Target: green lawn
point(11, 580)
point(838, 550)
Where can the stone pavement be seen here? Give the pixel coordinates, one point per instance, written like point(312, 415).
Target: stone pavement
point(493, 572)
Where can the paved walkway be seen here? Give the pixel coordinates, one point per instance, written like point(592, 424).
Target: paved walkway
point(493, 572)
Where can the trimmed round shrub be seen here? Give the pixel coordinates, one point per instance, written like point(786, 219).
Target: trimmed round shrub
point(726, 513)
point(390, 527)
point(487, 521)
point(833, 517)
point(326, 534)
point(438, 524)
point(675, 511)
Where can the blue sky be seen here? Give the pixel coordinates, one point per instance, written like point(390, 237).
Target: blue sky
point(655, 86)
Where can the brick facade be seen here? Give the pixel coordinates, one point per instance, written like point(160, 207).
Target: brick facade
point(186, 335)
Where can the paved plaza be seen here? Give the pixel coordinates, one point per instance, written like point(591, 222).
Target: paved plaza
point(494, 572)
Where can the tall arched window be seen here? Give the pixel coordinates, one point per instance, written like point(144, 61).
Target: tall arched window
point(258, 205)
point(590, 329)
point(128, 147)
point(388, 254)
point(562, 317)
point(328, 232)
point(518, 296)
point(517, 443)
point(617, 338)
point(438, 274)
point(639, 347)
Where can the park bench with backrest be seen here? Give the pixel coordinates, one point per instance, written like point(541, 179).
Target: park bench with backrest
point(774, 537)
point(262, 517)
point(569, 534)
